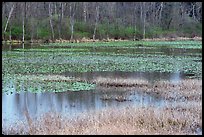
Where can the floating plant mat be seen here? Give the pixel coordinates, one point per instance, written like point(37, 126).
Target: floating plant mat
point(96, 57)
point(51, 50)
point(85, 62)
point(44, 83)
point(175, 44)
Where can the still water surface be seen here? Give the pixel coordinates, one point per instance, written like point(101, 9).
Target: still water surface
point(73, 103)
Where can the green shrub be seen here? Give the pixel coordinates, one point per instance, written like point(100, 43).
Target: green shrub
point(82, 26)
point(16, 32)
point(80, 35)
point(129, 32)
point(43, 33)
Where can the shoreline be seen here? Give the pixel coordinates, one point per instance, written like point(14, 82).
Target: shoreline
point(84, 40)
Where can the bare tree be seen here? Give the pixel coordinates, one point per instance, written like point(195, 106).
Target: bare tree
point(50, 16)
point(85, 11)
point(135, 22)
point(143, 16)
point(23, 16)
point(9, 17)
point(139, 17)
point(160, 11)
point(72, 10)
point(96, 20)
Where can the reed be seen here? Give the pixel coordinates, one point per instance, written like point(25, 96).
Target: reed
point(126, 120)
point(182, 117)
point(119, 82)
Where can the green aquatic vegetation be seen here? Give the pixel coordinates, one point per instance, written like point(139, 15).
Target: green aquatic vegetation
point(90, 62)
point(40, 77)
point(51, 50)
point(43, 83)
point(175, 44)
point(121, 58)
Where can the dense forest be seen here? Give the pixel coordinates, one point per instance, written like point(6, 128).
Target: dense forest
point(100, 20)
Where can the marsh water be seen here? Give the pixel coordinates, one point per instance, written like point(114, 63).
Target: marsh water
point(73, 103)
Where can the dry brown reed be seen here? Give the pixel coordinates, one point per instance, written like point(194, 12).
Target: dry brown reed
point(119, 82)
point(182, 117)
point(189, 89)
point(127, 120)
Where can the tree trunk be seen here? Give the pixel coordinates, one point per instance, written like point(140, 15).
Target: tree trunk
point(144, 19)
point(10, 32)
point(141, 13)
point(160, 12)
point(72, 14)
point(193, 8)
point(84, 10)
point(55, 8)
point(134, 16)
point(169, 23)
point(23, 14)
point(62, 11)
point(60, 22)
point(72, 30)
point(8, 18)
point(96, 24)
point(50, 16)
point(182, 15)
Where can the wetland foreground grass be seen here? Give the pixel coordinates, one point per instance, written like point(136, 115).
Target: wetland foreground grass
point(188, 89)
point(127, 120)
point(182, 117)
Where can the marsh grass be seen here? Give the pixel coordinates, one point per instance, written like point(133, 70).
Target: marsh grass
point(126, 120)
point(188, 89)
point(119, 98)
point(182, 117)
point(119, 82)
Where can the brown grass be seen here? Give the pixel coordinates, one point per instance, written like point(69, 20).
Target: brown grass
point(119, 98)
point(182, 117)
point(119, 82)
point(129, 120)
point(189, 89)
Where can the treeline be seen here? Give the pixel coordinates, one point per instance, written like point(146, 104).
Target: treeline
point(100, 20)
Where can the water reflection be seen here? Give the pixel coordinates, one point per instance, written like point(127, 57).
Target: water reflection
point(121, 50)
point(67, 103)
point(72, 103)
point(149, 76)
